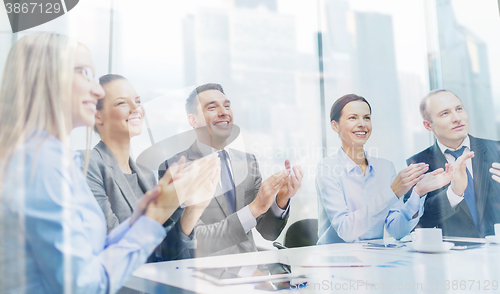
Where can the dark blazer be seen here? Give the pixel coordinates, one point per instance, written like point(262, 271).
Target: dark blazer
point(117, 200)
point(458, 221)
point(220, 232)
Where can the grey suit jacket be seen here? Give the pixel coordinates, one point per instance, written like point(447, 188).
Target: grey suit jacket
point(218, 231)
point(117, 200)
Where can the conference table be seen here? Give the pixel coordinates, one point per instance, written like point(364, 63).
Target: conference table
point(382, 270)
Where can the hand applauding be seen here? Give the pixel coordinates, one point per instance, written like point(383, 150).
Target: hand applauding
point(291, 185)
point(495, 170)
point(408, 177)
point(191, 185)
point(459, 179)
point(434, 180)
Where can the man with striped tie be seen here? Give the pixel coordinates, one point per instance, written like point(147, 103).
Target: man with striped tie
point(242, 200)
point(470, 205)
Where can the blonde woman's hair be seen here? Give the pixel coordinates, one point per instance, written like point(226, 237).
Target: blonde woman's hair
point(36, 92)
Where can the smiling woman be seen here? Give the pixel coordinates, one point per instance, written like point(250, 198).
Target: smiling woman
point(115, 179)
point(53, 236)
point(359, 194)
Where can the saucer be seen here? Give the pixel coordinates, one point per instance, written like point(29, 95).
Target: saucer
point(493, 239)
point(437, 248)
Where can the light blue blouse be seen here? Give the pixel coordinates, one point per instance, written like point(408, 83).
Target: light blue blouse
point(53, 232)
point(357, 206)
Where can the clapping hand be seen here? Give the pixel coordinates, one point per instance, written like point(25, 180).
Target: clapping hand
point(160, 202)
point(408, 177)
point(459, 179)
point(291, 185)
point(495, 170)
point(267, 191)
point(143, 203)
point(196, 183)
point(193, 184)
point(434, 180)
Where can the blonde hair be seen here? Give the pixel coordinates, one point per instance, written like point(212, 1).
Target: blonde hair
point(36, 92)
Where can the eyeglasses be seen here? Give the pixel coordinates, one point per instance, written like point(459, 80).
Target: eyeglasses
point(86, 72)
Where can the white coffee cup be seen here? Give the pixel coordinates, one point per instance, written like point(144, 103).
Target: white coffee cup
point(497, 230)
point(427, 237)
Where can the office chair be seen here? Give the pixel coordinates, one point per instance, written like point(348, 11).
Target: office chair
point(302, 233)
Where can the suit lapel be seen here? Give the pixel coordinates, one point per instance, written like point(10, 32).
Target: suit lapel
point(437, 159)
point(195, 153)
point(480, 166)
point(146, 180)
point(118, 175)
point(221, 200)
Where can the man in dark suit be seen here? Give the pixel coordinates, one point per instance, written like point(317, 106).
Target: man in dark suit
point(470, 205)
point(242, 201)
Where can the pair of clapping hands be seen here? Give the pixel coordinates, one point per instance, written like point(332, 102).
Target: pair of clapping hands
point(425, 183)
point(191, 185)
point(283, 184)
point(195, 186)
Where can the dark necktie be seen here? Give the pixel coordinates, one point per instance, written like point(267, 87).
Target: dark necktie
point(469, 195)
point(227, 181)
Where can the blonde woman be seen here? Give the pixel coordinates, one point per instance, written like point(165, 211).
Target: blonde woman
point(115, 179)
point(53, 232)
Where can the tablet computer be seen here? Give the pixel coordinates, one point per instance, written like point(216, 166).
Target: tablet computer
point(462, 243)
point(246, 274)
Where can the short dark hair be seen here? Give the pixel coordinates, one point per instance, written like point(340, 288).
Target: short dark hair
point(423, 104)
point(104, 80)
point(337, 107)
point(192, 100)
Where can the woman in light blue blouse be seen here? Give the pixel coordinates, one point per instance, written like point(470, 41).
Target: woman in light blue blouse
point(359, 194)
point(53, 236)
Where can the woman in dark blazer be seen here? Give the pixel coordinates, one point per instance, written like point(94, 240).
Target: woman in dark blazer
point(116, 180)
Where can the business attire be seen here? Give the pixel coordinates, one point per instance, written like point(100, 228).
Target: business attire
point(457, 215)
point(225, 230)
point(356, 206)
point(117, 193)
point(54, 237)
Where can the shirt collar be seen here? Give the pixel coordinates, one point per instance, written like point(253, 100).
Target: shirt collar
point(207, 150)
point(465, 142)
point(350, 165)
